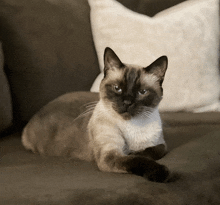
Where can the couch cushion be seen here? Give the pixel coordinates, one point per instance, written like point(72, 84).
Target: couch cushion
point(192, 81)
point(5, 102)
point(48, 50)
point(28, 178)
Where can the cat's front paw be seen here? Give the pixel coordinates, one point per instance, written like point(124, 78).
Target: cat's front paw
point(147, 168)
point(160, 174)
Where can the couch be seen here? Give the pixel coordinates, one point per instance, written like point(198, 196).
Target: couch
point(48, 49)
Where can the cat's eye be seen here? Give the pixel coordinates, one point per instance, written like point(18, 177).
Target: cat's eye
point(142, 92)
point(117, 89)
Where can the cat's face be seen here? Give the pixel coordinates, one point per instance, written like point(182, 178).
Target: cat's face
point(132, 90)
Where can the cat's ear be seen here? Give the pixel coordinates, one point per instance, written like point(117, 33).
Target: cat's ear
point(111, 60)
point(158, 68)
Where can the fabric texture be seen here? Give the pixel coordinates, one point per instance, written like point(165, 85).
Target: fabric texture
point(193, 143)
point(187, 33)
point(48, 50)
point(5, 97)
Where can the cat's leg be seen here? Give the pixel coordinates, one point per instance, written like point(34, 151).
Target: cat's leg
point(115, 160)
point(28, 139)
point(155, 153)
point(146, 167)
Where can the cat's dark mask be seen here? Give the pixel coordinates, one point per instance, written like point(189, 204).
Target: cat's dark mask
point(132, 90)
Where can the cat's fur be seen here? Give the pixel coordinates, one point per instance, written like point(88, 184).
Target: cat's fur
point(124, 131)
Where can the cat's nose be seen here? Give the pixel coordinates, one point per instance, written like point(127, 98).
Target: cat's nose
point(127, 102)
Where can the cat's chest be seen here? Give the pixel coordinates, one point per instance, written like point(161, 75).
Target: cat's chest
point(142, 133)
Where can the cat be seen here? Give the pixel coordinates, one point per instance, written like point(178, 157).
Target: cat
point(121, 131)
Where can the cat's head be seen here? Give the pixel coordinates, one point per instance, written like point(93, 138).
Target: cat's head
point(132, 90)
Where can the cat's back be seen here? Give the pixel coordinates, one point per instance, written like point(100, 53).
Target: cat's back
point(56, 128)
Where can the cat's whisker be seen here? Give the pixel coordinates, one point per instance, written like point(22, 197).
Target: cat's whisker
point(88, 106)
point(146, 112)
point(91, 103)
point(81, 115)
point(91, 107)
point(86, 112)
point(114, 106)
point(143, 112)
point(148, 115)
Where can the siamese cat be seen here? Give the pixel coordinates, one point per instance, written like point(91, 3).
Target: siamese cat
point(121, 132)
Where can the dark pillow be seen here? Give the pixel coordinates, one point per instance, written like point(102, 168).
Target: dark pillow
point(149, 7)
point(48, 50)
point(5, 98)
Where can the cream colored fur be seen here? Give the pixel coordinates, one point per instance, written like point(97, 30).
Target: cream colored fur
point(110, 132)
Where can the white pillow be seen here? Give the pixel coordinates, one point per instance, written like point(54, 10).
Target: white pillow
point(187, 33)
